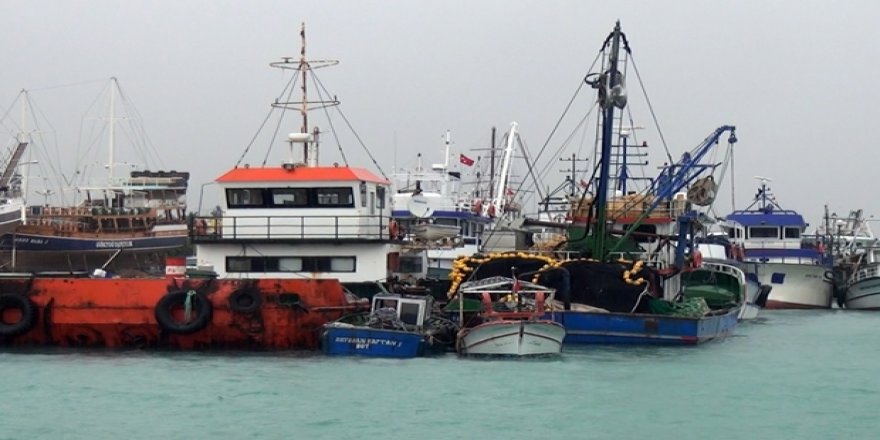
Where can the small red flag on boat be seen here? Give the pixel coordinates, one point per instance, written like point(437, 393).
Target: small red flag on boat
point(465, 160)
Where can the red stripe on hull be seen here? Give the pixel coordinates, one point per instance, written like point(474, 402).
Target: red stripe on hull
point(771, 304)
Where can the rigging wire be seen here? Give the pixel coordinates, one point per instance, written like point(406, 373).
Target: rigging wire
point(290, 87)
point(319, 87)
point(651, 110)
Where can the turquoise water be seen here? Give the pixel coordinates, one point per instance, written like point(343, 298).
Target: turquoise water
point(792, 375)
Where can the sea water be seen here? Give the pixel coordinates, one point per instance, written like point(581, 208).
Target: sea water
point(789, 375)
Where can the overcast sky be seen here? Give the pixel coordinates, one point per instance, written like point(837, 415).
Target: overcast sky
point(797, 78)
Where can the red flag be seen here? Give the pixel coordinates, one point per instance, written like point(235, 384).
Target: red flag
point(465, 160)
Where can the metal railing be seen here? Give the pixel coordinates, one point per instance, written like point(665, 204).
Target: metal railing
point(275, 227)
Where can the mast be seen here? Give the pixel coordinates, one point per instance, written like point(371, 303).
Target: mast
point(500, 193)
point(611, 79)
point(304, 105)
point(445, 190)
point(112, 131)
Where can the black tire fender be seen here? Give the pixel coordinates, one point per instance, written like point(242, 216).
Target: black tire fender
point(28, 314)
point(245, 301)
point(200, 307)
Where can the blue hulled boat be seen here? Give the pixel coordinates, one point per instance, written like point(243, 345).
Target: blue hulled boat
point(398, 326)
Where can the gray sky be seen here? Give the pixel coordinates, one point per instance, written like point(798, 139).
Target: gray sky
point(797, 78)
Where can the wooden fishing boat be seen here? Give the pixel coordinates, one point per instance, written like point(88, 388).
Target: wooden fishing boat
point(125, 222)
point(512, 320)
point(398, 326)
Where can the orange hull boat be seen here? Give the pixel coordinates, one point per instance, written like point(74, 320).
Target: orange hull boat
point(169, 313)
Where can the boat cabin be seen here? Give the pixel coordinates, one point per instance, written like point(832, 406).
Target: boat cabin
point(771, 236)
point(411, 310)
point(299, 221)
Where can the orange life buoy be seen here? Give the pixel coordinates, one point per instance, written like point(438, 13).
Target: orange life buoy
point(478, 206)
point(491, 211)
point(393, 229)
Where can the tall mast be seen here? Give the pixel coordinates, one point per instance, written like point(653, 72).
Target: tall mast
point(302, 68)
point(304, 104)
point(446, 163)
point(599, 245)
point(503, 175)
point(111, 142)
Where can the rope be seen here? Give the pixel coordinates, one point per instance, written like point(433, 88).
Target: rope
point(187, 305)
point(639, 298)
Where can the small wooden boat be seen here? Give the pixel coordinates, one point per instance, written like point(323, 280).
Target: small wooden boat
point(398, 326)
point(512, 320)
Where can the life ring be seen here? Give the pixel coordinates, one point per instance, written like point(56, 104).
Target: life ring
point(200, 307)
point(245, 301)
point(28, 314)
point(393, 229)
point(491, 211)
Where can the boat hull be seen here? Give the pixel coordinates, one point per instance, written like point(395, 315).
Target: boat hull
point(863, 294)
point(372, 342)
point(149, 312)
point(34, 252)
point(512, 338)
point(795, 286)
point(643, 329)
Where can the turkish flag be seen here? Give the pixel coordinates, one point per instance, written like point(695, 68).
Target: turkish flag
point(465, 160)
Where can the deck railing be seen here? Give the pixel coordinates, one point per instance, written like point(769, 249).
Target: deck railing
point(274, 227)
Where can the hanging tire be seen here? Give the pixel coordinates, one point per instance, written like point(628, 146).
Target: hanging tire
point(200, 308)
point(28, 314)
point(245, 301)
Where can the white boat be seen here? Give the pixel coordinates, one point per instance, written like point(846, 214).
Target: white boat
point(799, 274)
point(301, 219)
point(435, 217)
point(863, 286)
point(513, 324)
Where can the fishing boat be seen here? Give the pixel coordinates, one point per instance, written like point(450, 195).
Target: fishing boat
point(625, 248)
point(270, 264)
point(398, 326)
point(862, 288)
point(800, 274)
point(722, 281)
point(436, 217)
point(124, 223)
point(511, 320)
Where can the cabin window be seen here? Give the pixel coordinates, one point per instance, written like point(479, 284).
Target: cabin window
point(286, 197)
point(410, 265)
point(291, 264)
point(380, 195)
point(244, 197)
point(409, 313)
point(334, 197)
point(763, 232)
point(342, 264)
point(792, 232)
point(363, 195)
